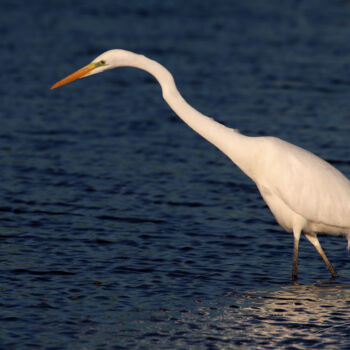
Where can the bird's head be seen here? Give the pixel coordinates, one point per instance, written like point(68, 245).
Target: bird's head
point(108, 60)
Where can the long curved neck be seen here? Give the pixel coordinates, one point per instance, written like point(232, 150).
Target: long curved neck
point(236, 146)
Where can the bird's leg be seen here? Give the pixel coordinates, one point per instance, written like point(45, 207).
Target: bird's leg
point(312, 237)
point(296, 233)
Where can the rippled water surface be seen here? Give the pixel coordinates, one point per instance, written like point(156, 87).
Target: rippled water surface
point(123, 229)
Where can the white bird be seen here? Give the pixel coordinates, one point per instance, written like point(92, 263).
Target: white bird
point(305, 193)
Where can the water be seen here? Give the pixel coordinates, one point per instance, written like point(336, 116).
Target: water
point(120, 227)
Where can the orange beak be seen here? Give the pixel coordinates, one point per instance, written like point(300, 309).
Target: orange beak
point(74, 76)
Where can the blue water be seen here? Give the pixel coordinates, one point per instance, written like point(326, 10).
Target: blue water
point(123, 229)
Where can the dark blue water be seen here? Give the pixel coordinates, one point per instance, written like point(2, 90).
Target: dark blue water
point(123, 229)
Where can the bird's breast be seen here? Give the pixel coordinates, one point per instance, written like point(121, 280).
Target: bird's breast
point(283, 214)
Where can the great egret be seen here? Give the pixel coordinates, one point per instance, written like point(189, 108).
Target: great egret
point(305, 193)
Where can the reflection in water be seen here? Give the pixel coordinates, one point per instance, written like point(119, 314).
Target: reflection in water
point(293, 317)
point(297, 315)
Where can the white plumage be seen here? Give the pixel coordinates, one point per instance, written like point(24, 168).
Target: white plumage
point(306, 184)
point(305, 193)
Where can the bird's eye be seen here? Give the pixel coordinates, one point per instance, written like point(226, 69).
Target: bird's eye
point(100, 63)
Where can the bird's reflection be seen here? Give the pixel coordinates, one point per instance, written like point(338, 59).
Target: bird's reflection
point(303, 315)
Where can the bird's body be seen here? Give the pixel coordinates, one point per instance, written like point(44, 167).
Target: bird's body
point(305, 193)
point(312, 191)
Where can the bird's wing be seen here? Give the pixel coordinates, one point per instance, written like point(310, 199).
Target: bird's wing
point(309, 185)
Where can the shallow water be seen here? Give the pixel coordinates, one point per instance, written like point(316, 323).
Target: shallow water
point(120, 227)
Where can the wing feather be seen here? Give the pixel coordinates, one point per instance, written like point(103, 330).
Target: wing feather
point(309, 185)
